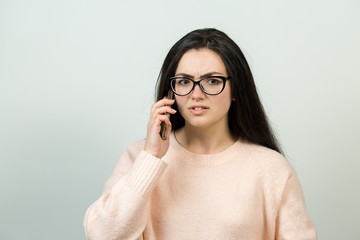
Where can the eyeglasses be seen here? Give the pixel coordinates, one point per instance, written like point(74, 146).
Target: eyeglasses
point(212, 85)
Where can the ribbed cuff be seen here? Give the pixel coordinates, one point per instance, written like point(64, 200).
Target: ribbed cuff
point(145, 173)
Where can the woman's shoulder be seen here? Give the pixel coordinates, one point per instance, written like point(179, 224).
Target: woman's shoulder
point(125, 162)
point(275, 170)
point(268, 159)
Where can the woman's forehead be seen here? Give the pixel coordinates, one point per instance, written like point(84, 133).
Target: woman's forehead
point(199, 62)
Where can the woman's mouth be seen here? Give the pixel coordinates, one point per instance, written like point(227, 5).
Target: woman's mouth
point(198, 110)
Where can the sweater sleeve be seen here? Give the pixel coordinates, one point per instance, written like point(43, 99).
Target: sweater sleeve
point(293, 221)
point(122, 211)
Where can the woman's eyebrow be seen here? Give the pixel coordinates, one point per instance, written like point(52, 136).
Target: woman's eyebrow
point(184, 75)
point(202, 76)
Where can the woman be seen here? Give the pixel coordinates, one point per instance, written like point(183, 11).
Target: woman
point(219, 174)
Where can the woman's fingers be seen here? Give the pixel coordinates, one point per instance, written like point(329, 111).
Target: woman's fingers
point(164, 118)
point(162, 107)
point(159, 114)
point(164, 110)
point(162, 103)
point(156, 123)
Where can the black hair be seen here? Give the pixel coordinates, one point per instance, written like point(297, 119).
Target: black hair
point(246, 118)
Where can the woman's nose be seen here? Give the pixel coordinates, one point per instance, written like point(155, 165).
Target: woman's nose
point(197, 92)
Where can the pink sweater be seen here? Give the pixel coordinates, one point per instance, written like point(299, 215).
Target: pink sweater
point(245, 192)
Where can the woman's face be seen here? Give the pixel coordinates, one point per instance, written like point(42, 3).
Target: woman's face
point(197, 108)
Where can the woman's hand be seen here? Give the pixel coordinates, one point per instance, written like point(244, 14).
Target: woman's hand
point(154, 144)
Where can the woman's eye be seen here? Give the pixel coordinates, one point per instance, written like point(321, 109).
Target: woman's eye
point(183, 81)
point(213, 81)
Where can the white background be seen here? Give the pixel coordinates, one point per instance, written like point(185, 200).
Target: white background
point(77, 80)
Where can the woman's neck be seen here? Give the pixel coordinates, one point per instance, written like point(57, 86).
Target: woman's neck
point(204, 141)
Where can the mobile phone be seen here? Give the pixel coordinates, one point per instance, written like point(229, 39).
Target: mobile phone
point(164, 126)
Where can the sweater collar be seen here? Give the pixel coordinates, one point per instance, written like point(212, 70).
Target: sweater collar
point(205, 160)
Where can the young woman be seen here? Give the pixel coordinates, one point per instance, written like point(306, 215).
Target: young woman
point(219, 174)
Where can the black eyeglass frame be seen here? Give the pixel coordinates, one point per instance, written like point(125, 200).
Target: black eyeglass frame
point(224, 79)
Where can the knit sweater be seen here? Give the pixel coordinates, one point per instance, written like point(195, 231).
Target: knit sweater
point(246, 192)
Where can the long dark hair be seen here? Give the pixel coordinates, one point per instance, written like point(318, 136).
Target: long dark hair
point(247, 118)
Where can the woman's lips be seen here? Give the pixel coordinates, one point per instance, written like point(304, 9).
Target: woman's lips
point(198, 110)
